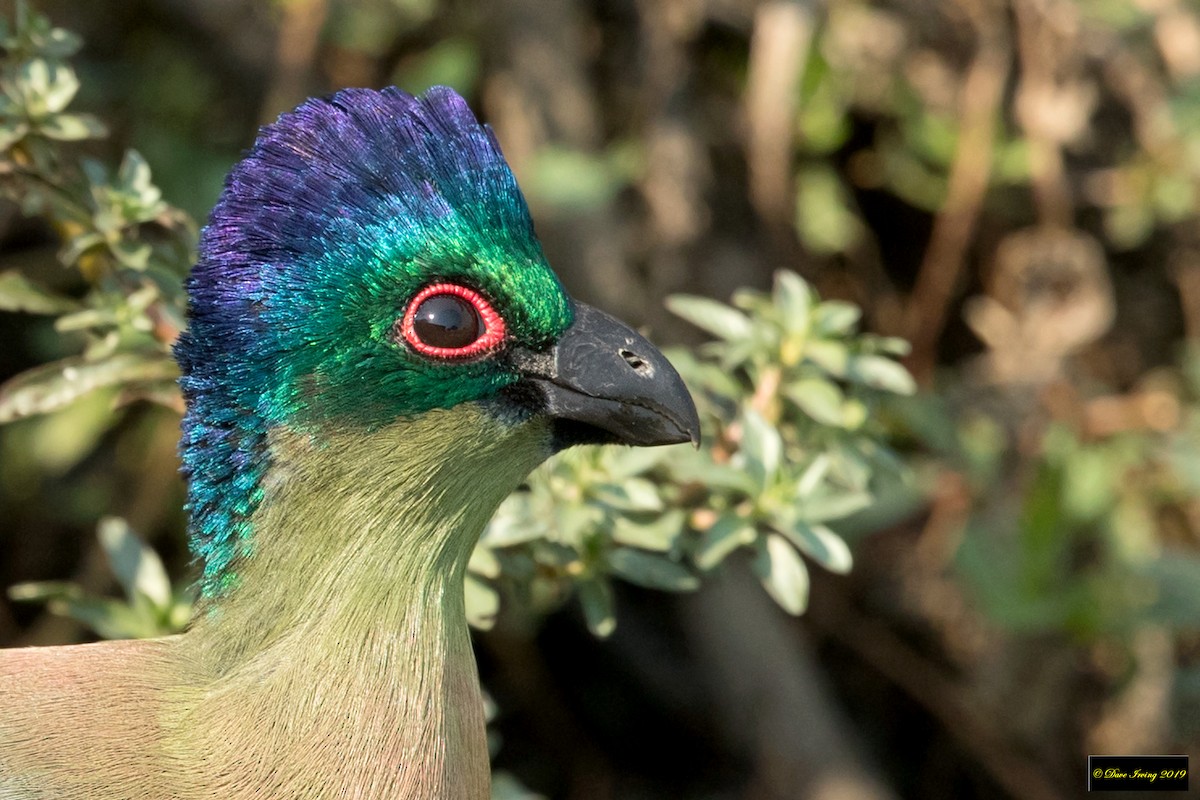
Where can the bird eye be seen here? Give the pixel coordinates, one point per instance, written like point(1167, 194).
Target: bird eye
point(446, 320)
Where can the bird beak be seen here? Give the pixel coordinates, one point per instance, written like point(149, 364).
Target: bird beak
point(603, 383)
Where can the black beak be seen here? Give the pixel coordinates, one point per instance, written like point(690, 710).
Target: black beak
point(603, 383)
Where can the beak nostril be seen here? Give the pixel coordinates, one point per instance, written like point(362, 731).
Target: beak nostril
point(639, 364)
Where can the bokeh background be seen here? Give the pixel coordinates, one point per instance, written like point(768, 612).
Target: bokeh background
point(1012, 185)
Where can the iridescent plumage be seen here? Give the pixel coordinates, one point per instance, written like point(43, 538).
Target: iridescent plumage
point(342, 207)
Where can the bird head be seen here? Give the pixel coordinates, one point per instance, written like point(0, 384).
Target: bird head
point(372, 260)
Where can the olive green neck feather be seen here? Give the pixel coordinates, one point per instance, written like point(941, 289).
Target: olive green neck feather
point(350, 622)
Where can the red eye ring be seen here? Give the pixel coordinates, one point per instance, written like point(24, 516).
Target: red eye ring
point(493, 324)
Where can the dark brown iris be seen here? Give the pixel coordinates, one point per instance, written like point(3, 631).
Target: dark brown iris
point(447, 321)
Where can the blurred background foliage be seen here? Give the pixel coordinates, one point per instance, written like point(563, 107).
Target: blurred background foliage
point(1009, 185)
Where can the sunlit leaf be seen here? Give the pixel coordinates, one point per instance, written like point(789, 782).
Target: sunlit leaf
point(595, 596)
point(18, 293)
point(761, 446)
point(482, 603)
point(138, 568)
point(836, 318)
point(883, 373)
point(651, 571)
point(818, 398)
point(835, 505)
point(728, 533)
point(794, 299)
point(820, 544)
point(631, 494)
point(782, 573)
point(716, 318)
point(52, 386)
point(658, 534)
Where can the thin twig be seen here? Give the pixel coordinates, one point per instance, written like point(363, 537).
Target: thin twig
point(941, 269)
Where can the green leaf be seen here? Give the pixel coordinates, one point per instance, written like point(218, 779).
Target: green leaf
point(820, 544)
point(41, 591)
point(11, 132)
point(782, 573)
point(484, 562)
point(814, 473)
point(836, 318)
point(835, 506)
point(74, 248)
point(881, 373)
point(632, 494)
point(651, 571)
point(818, 398)
point(794, 299)
point(595, 595)
point(482, 603)
point(134, 255)
point(824, 219)
point(52, 386)
point(137, 567)
point(658, 534)
point(698, 467)
point(831, 356)
point(717, 318)
point(17, 293)
point(71, 127)
point(761, 446)
point(727, 534)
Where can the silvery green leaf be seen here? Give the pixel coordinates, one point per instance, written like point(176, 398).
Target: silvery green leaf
point(135, 255)
point(18, 293)
point(728, 533)
point(892, 345)
point(835, 506)
point(595, 595)
point(41, 591)
point(658, 534)
point(111, 619)
point(484, 562)
point(513, 524)
point(137, 567)
point(836, 318)
point(11, 132)
point(53, 86)
point(651, 571)
point(51, 386)
point(854, 414)
point(880, 372)
point(814, 473)
point(794, 299)
point(695, 466)
point(71, 127)
point(818, 398)
point(482, 603)
point(717, 318)
point(761, 446)
point(831, 356)
point(74, 248)
point(702, 374)
point(86, 318)
point(820, 544)
point(628, 462)
point(631, 494)
point(782, 573)
point(573, 522)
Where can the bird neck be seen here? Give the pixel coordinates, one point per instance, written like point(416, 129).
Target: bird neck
point(344, 644)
